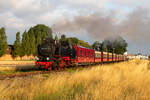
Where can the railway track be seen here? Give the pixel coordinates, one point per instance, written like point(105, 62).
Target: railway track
point(30, 73)
point(22, 74)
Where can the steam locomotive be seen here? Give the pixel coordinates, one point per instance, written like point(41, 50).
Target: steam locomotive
point(57, 55)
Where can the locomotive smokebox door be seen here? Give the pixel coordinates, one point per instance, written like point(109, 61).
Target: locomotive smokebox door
point(47, 48)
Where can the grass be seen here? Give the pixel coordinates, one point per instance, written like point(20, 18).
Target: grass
point(119, 81)
point(7, 72)
point(4, 70)
point(73, 70)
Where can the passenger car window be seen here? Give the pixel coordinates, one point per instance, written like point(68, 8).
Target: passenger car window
point(89, 54)
point(81, 52)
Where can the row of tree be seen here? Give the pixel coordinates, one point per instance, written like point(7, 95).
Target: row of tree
point(116, 45)
point(27, 45)
point(30, 40)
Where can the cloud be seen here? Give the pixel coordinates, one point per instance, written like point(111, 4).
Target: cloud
point(96, 18)
point(99, 25)
point(131, 3)
point(97, 3)
point(96, 25)
point(5, 4)
point(136, 26)
point(18, 15)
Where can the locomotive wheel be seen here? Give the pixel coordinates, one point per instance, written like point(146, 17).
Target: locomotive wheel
point(62, 65)
point(40, 68)
point(53, 67)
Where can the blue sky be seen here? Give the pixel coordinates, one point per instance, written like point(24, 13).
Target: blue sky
point(128, 18)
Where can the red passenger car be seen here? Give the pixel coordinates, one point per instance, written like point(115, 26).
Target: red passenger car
point(84, 55)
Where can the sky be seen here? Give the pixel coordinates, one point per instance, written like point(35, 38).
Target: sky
point(89, 20)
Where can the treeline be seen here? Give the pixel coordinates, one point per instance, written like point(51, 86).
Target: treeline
point(29, 42)
point(114, 45)
point(27, 45)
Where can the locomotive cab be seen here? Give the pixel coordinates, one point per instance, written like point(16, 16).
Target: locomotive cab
point(64, 48)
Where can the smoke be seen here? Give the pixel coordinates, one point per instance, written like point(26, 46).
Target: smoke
point(135, 27)
point(96, 25)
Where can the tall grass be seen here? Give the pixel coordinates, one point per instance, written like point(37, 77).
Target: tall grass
point(119, 81)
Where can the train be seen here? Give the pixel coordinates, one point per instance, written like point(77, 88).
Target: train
point(59, 54)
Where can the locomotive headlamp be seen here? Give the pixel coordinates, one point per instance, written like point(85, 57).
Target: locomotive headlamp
point(47, 58)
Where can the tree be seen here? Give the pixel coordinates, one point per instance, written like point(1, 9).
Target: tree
point(84, 44)
point(25, 44)
point(56, 37)
point(43, 30)
point(32, 48)
point(107, 45)
point(76, 41)
point(36, 35)
point(117, 45)
point(73, 40)
point(139, 53)
point(17, 46)
point(3, 42)
point(63, 37)
point(97, 46)
point(39, 39)
point(149, 57)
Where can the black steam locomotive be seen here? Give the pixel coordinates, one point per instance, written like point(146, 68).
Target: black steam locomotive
point(59, 54)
